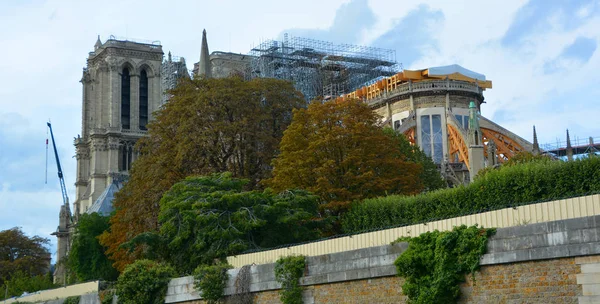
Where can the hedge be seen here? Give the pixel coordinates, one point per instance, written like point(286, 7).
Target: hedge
point(541, 180)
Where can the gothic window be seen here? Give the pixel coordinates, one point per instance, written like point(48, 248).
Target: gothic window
point(437, 138)
point(143, 100)
point(125, 98)
point(125, 156)
point(432, 141)
point(426, 135)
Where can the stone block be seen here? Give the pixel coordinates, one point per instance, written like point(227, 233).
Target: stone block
point(588, 278)
point(358, 274)
point(383, 271)
point(591, 289)
point(349, 255)
point(590, 268)
point(558, 237)
point(314, 279)
point(588, 260)
point(336, 277)
point(590, 235)
point(588, 299)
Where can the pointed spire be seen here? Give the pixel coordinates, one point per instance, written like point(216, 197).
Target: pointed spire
point(536, 145)
point(569, 147)
point(204, 64)
point(98, 43)
point(169, 58)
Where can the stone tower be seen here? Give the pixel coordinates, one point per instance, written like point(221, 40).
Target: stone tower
point(121, 89)
point(475, 142)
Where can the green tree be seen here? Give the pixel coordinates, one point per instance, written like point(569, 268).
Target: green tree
point(207, 218)
point(208, 126)
point(338, 151)
point(86, 258)
point(430, 176)
point(20, 253)
point(144, 282)
point(21, 282)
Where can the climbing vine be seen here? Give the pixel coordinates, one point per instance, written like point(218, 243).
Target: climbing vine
point(106, 296)
point(435, 263)
point(288, 271)
point(242, 287)
point(211, 280)
point(72, 300)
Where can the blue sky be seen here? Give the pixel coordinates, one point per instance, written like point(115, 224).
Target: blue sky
point(541, 55)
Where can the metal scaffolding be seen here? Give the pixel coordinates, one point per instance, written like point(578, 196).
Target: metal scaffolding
point(321, 68)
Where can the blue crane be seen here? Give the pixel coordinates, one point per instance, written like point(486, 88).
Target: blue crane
point(63, 188)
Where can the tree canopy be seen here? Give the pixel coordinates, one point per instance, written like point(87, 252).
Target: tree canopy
point(210, 217)
point(86, 258)
point(339, 151)
point(20, 253)
point(209, 125)
point(430, 175)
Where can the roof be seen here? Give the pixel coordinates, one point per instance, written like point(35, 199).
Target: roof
point(103, 205)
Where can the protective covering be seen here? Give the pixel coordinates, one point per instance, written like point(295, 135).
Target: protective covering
point(454, 68)
point(103, 205)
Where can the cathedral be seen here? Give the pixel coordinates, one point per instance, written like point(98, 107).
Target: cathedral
point(125, 82)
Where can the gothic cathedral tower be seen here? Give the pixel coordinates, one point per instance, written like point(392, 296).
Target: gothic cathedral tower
point(121, 90)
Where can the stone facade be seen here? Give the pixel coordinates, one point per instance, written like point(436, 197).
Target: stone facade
point(104, 150)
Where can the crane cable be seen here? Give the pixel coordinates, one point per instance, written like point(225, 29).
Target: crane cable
point(46, 181)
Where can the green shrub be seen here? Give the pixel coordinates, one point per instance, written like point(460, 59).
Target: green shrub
point(106, 296)
point(72, 300)
point(144, 282)
point(436, 262)
point(211, 280)
point(288, 271)
point(509, 186)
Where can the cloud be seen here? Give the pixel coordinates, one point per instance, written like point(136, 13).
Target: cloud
point(573, 55)
point(412, 35)
point(542, 16)
point(350, 20)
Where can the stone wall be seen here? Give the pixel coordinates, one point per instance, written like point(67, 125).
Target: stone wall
point(552, 262)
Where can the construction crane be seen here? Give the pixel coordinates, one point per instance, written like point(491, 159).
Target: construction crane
point(63, 188)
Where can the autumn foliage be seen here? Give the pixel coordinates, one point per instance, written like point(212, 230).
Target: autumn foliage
point(340, 152)
point(208, 126)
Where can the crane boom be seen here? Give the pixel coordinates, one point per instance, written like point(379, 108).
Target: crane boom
point(63, 188)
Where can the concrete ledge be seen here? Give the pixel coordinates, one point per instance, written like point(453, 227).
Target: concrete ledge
point(557, 239)
point(324, 269)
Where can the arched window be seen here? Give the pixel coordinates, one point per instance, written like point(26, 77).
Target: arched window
point(143, 100)
point(125, 98)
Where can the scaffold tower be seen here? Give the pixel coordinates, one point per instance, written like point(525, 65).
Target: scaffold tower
point(321, 68)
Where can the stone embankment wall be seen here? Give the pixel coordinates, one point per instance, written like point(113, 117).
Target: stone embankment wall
point(552, 262)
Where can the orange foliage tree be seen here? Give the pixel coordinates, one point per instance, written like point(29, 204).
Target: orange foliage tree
point(340, 152)
point(208, 126)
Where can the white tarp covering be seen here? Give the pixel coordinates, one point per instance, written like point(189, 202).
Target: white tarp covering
point(454, 68)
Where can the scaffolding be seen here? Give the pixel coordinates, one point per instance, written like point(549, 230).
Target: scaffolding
point(321, 68)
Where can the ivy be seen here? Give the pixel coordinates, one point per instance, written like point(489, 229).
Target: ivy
point(435, 263)
point(144, 282)
point(211, 280)
point(242, 287)
point(288, 271)
point(106, 296)
point(72, 300)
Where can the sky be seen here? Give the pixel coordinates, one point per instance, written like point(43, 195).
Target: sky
point(540, 54)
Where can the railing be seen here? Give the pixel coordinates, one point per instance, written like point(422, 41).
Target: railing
point(507, 217)
point(423, 86)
